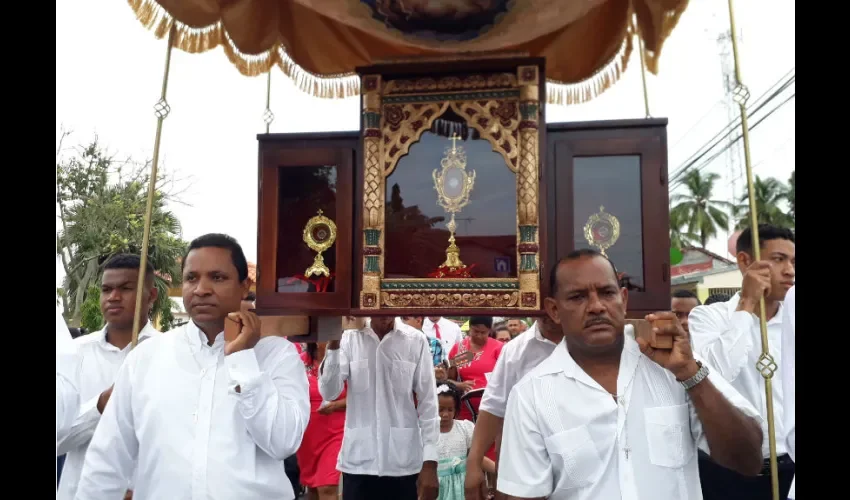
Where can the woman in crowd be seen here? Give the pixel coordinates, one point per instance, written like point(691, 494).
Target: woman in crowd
point(472, 374)
point(323, 438)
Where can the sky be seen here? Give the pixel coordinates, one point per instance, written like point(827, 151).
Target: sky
point(109, 72)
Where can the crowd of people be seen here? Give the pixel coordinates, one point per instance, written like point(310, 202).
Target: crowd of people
point(571, 405)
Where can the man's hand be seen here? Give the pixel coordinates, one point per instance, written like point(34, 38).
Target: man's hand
point(249, 332)
point(475, 486)
point(756, 285)
point(429, 485)
point(680, 359)
point(103, 399)
point(128, 495)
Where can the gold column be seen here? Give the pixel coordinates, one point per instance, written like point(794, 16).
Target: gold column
point(268, 116)
point(643, 75)
point(765, 365)
point(373, 194)
point(161, 109)
point(528, 248)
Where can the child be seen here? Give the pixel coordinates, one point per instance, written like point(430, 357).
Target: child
point(453, 445)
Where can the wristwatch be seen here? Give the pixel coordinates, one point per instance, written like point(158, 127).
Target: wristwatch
point(698, 377)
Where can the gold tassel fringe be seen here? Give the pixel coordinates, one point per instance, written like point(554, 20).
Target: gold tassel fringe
point(668, 23)
point(559, 93)
point(197, 40)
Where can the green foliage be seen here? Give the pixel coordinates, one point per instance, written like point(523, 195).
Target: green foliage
point(770, 196)
point(696, 215)
point(90, 316)
point(102, 210)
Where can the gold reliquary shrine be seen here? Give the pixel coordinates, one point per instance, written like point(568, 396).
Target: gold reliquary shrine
point(438, 205)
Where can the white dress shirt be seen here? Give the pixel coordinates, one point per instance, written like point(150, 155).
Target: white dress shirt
point(566, 438)
point(450, 333)
point(518, 357)
point(175, 410)
point(730, 340)
point(787, 374)
point(99, 364)
point(67, 378)
point(383, 434)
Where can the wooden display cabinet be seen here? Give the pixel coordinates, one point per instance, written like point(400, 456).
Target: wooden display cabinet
point(538, 193)
point(621, 167)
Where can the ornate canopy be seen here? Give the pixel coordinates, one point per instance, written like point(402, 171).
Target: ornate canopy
point(319, 43)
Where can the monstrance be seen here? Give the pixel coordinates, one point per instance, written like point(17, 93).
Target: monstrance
point(454, 185)
point(319, 235)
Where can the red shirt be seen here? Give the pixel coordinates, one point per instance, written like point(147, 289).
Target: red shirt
point(483, 362)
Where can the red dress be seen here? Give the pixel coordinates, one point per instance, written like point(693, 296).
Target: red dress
point(483, 362)
point(322, 440)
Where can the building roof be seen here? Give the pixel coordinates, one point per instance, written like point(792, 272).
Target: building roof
point(707, 252)
point(697, 277)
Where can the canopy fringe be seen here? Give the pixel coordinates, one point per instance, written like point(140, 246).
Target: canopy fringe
point(668, 23)
point(343, 85)
point(559, 93)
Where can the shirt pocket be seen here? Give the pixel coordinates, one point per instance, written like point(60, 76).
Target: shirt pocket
point(401, 376)
point(358, 377)
point(405, 447)
point(574, 454)
point(358, 446)
point(668, 434)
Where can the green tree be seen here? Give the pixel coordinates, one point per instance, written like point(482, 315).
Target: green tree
point(679, 235)
point(101, 205)
point(696, 213)
point(770, 196)
point(791, 195)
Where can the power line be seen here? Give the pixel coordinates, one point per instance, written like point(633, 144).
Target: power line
point(783, 83)
point(737, 138)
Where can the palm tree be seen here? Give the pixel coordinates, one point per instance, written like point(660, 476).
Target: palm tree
point(769, 195)
point(696, 211)
point(679, 235)
point(791, 190)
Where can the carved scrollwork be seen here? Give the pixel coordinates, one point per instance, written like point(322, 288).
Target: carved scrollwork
point(449, 299)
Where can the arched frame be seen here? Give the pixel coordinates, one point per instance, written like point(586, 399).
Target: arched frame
point(504, 108)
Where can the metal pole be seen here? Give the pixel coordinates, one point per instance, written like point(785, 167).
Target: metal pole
point(161, 109)
point(765, 365)
point(268, 116)
point(643, 76)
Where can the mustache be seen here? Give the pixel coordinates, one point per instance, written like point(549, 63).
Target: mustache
point(598, 321)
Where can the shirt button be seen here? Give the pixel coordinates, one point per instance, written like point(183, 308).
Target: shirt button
point(203, 372)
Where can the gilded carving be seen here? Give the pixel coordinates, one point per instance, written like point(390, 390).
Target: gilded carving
point(451, 84)
point(449, 300)
point(403, 125)
point(496, 121)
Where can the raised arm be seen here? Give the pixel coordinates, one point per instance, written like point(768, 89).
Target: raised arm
point(274, 400)
point(334, 370)
point(111, 457)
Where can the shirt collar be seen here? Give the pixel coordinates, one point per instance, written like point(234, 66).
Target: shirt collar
point(561, 361)
point(99, 337)
point(198, 339)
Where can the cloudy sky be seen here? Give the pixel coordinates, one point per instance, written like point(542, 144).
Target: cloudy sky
point(109, 70)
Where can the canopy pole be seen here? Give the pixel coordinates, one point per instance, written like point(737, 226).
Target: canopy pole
point(161, 110)
point(268, 116)
point(765, 364)
point(643, 76)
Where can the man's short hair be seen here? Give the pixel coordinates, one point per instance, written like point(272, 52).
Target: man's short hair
point(767, 232)
point(575, 255)
point(686, 294)
point(129, 261)
point(217, 240)
point(717, 297)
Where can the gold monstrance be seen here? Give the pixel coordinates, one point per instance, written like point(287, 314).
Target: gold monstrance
point(453, 185)
point(319, 235)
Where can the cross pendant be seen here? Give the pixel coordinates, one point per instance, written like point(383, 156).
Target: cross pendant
point(627, 451)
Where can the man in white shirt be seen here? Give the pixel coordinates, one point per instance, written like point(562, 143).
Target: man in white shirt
point(386, 446)
point(787, 373)
point(67, 378)
point(606, 417)
point(728, 336)
point(682, 303)
point(516, 326)
point(203, 415)
point(441, 328)
point(101, 354)
point(518, 357)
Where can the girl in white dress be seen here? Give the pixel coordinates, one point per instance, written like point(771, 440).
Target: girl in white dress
point(453, 445)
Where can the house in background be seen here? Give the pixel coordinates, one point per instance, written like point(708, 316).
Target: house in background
point(705, 273)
